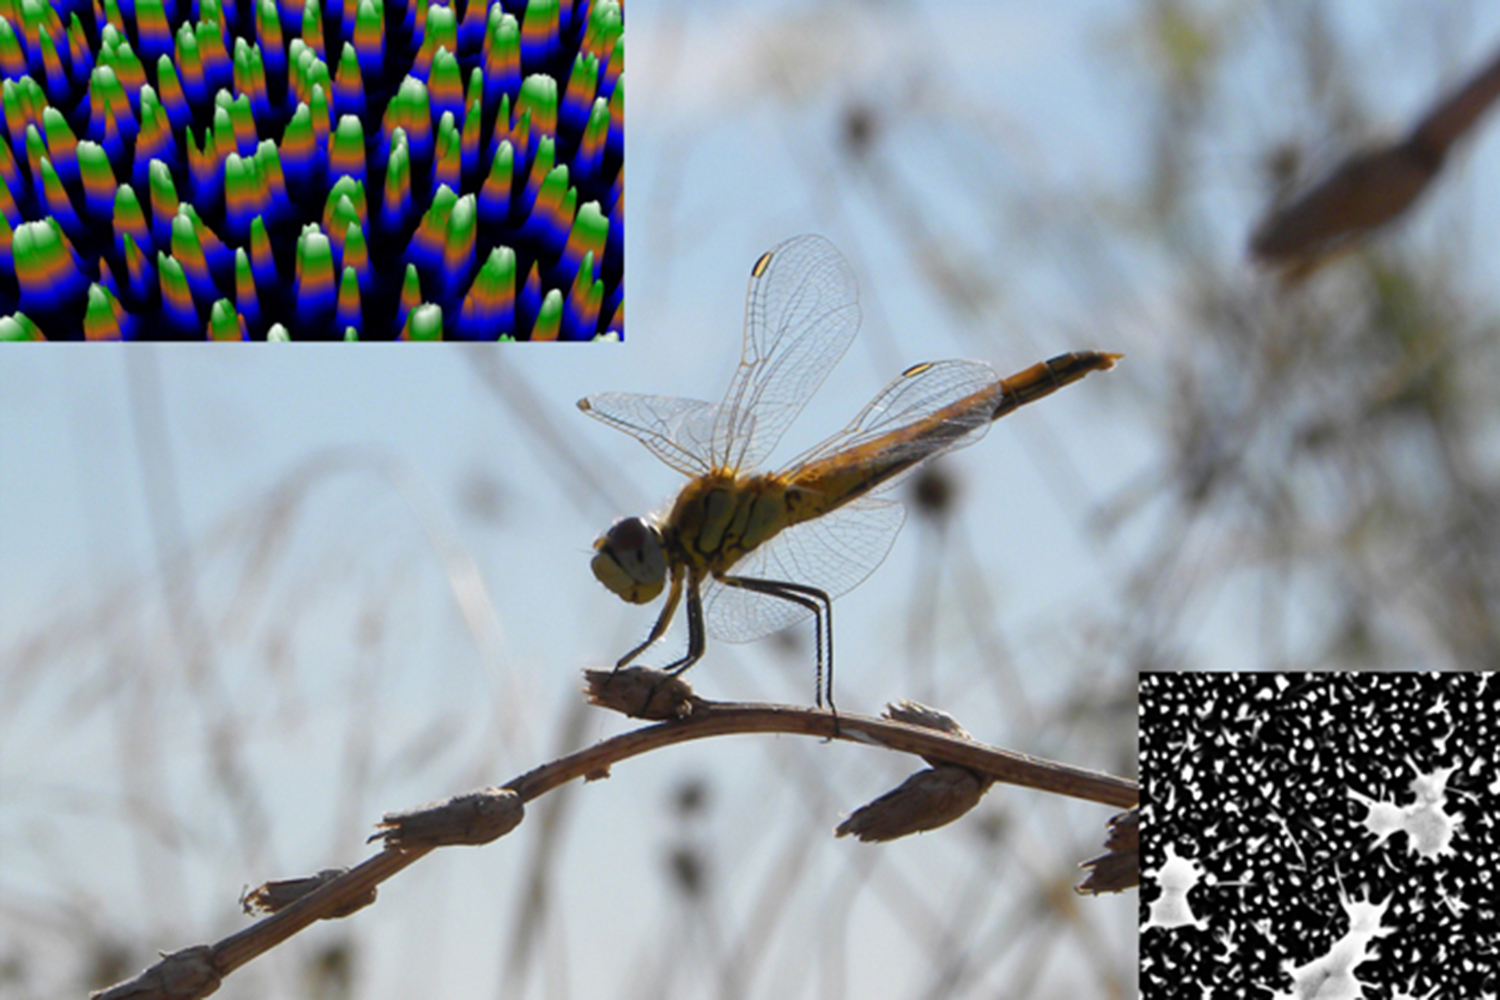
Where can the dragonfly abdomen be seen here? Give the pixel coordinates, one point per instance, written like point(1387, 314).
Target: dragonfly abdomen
point(822, 487)
point(823, 484)
point(1046, 377)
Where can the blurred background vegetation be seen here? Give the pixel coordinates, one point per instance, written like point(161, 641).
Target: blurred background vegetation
point(294, 591)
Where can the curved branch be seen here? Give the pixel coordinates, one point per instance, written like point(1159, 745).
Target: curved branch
point(709, 719)
point(689, 718)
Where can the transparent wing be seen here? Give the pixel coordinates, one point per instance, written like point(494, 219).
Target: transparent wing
point(928, 410)
point(801, 313)
point(834, 553)
point(678, 431)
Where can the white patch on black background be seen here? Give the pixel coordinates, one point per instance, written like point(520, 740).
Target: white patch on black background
point(1331, 836)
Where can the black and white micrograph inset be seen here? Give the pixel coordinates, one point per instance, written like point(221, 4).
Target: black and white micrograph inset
point(1320, 836)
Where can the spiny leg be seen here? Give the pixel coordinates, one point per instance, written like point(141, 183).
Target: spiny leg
point(662, 620)
point(815, 600)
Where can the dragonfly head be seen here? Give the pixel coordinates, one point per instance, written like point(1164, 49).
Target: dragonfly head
point(629, 560)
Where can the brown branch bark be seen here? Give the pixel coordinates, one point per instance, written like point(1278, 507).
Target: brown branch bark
point(699, 719)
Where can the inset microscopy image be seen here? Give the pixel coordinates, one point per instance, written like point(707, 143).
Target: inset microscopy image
point(275, 170)
point(1325, 836)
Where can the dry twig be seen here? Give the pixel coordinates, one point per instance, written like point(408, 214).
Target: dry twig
point(480, 817)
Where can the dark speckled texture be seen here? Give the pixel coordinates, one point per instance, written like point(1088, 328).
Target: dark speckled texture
point(1249, 776)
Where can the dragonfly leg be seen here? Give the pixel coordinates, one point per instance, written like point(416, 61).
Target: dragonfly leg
point(696, 642)
point(815, 600)
point(662, 621)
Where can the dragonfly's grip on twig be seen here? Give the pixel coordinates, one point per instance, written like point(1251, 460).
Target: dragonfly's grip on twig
point(1047, 377)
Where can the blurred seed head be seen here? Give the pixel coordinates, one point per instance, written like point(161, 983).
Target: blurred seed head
point(991, 826)
point(688, 871)
point(370, 628)
point(1366, 191)
point(12, 972)
point(789, 642)
point(483, 497)
point(1282, 164)
point(690, 797)
point(933, 493)
point(329, 973)
point(859, 129)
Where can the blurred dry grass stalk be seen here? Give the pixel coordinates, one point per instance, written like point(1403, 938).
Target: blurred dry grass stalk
point(1322, 475)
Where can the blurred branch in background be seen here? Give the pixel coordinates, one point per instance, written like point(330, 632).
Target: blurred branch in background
point(1327, 482)
point(1370, 188)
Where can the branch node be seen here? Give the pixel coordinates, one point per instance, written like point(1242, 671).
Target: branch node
point(182, 975)
point(472, 819)
point(914, 713)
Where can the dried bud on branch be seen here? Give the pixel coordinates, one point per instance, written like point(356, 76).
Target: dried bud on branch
point(474, 819)
point(641, 693)
point(1120, 869)
point(183, 975)
point(917, 714)
point(279, 894)
point(914, 713)
point(925, 801)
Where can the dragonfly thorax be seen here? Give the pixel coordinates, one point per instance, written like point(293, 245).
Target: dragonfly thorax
point(719, 518)
point(630, 561)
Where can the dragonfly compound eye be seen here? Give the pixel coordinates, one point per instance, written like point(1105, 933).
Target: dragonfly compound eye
point(629, 560)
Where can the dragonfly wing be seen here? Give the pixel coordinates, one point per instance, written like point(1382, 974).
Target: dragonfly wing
point(801, 313)
point(927, 411)
point(678, 431)
point(834, 553)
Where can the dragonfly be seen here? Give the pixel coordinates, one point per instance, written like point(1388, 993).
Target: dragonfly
point(754, 552)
